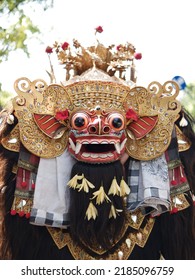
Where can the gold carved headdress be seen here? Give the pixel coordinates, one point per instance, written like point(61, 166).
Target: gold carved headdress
point(95, 76)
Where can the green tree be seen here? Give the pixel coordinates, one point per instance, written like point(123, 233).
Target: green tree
point(15, 30)
point(15, 26)
point(188, 99)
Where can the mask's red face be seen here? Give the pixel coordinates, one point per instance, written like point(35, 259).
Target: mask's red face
point(97, 136)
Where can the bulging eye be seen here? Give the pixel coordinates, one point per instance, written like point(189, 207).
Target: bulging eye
point(79, 121)
point(116, 121)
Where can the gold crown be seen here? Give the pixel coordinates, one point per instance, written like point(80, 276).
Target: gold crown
point(76, 59)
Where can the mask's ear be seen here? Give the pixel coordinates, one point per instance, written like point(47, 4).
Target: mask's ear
point(50, 126)
point(142, 126)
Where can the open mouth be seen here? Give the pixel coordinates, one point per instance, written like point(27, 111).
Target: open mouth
point(98, 150)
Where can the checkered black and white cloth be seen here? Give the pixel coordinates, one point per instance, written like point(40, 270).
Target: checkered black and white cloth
point(150, 187)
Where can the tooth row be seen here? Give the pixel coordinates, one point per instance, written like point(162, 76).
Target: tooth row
point(90, 155)
point(78, 146)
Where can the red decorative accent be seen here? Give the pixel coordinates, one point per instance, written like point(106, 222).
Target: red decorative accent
point(142, 126)
point(62, 115)
point(174, 210)
point(138, 56)
point(183, 180)
point(47, 123)
point(33, 186)
point(118, 48)
point(65, 46)
point(99, 29)
point(21, 213)
point(48, 50)
point(182, 175)
point(173, 182)
point(24, 184)
point(13, 212)
point(27, 215)
point(131, 115)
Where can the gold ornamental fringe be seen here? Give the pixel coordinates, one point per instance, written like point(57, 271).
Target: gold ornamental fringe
point(80, 183)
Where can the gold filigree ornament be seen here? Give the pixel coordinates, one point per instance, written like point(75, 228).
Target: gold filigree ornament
point(36, 102)
point(156, 102)
point(92, 88)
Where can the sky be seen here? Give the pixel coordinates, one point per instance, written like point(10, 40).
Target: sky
point(162, 30)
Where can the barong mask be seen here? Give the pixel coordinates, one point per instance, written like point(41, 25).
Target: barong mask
point(96, 116)
point(96, 119)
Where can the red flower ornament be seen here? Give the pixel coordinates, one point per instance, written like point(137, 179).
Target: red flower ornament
point(99, 29)
point(65, 46)
point(118, 48)
point(62, 115)
point(49, 49)
point(131, 115)
point(137, 56)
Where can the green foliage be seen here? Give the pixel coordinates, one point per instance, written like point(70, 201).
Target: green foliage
point(4, 98)
point(188, 100)
point(16, 27)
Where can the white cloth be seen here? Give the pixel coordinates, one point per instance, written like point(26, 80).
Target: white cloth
point(52, 197)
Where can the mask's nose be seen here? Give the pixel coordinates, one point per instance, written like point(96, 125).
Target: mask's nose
point(99, 127)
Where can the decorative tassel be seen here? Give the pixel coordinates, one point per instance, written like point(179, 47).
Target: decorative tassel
point(139, 236)
point(120, 255)
point(193, 198)
point(114, 212)
point(91, 212)
point(21, 213)
point(33, 185)
point(182, 178)
point(24, 183)
point(27, 215)
point(183, 122)
point(10, 119)
point(173, 181)
point(100, 196)
point(128, 242)
point(124, 188)
point(174, 210)
point(114, 188)
point(13, 212)
point(73, 182)
point(85, 185)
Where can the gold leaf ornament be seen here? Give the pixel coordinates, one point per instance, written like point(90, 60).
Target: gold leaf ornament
point(91, 212)
point(100, 196)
